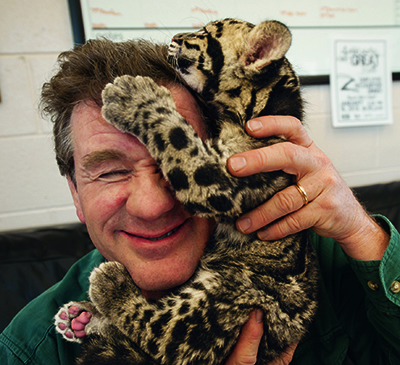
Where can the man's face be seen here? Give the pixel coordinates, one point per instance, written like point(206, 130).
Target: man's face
point(127, 205)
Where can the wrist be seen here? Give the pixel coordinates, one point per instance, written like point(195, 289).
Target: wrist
point(369, 243)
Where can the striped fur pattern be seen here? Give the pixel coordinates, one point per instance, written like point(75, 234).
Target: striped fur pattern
point(240, 70)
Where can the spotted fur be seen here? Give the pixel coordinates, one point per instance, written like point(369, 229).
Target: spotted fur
point(240, 70)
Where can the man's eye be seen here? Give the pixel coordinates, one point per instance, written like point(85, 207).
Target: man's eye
point(117, 175)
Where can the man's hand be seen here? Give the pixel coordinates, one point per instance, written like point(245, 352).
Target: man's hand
point(245, 351)
point(332, 209)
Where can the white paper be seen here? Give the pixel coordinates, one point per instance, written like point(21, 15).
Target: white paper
point(361, 82)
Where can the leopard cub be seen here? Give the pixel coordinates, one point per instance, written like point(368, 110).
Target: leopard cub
point(240, 71)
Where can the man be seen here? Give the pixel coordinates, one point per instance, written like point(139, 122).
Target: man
point(133, 217)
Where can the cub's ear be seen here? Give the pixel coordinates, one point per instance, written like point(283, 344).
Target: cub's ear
point(267, 42)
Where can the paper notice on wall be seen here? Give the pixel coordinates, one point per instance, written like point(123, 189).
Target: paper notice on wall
point(361, 82)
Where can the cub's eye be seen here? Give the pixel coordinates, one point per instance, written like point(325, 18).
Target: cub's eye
point(115, 176)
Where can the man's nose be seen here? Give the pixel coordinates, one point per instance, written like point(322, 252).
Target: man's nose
point(150, 197)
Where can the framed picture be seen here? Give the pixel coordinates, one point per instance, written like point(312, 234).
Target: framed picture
point(361, 84)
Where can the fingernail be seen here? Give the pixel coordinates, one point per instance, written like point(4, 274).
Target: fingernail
point(254, 125)
point(262, 234)
point(244, 224)
point(259, 315)
point(237, 163)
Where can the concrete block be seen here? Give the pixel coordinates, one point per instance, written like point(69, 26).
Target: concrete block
point(41, 68)
point(30, 178)
point(17, 112)
point(35, 26)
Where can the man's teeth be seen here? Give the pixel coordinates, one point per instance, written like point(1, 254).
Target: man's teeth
point(163, 236)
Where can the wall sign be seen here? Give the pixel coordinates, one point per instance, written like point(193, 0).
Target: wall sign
point(361, 82)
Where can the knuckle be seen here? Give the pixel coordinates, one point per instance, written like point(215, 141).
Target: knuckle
point(262, 217)
point(323, 161)
point(260, 158)
point(247, 360)
point(330, 205)
point(284, 203)
point(297, 125)
point(291, 152)
point(293, 224)
point(332, 180)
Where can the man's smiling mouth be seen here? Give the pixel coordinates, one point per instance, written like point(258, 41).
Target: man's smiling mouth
point(171, 232)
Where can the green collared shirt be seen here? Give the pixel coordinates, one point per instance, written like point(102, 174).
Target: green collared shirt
point(359, 312)
point(359, 307)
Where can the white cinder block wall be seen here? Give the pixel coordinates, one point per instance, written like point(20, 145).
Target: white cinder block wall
point(32, 194)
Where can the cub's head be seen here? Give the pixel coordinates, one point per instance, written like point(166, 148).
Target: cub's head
point(228, 48)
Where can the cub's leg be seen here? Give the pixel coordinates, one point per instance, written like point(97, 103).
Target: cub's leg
point(196, 169)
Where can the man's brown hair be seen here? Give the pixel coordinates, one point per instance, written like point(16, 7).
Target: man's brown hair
point(84, 72)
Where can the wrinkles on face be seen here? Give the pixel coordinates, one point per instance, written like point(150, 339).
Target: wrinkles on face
point(132, 215)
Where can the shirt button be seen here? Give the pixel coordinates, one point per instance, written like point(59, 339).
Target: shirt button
point(372, 285)
point(395, 287)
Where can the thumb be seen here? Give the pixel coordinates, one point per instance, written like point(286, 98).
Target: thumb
point(246, 348)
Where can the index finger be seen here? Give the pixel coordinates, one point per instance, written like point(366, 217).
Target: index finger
point(285, 156)
point(274, 125)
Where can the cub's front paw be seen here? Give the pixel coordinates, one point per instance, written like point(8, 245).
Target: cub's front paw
point(132, 104)
point(65, 315)
point(110, 286)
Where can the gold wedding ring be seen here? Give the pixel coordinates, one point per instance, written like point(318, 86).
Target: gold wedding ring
point(302, 192)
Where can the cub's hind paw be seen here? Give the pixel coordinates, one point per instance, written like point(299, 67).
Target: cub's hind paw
point(132, 103)
point(65, 315)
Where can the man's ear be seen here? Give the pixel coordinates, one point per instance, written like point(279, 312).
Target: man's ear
point(75, 197)
point(267, 42)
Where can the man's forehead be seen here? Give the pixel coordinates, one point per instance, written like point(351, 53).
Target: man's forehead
point(85, 113)
point(187, 106)
point(88, 125)
point(96, 141)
